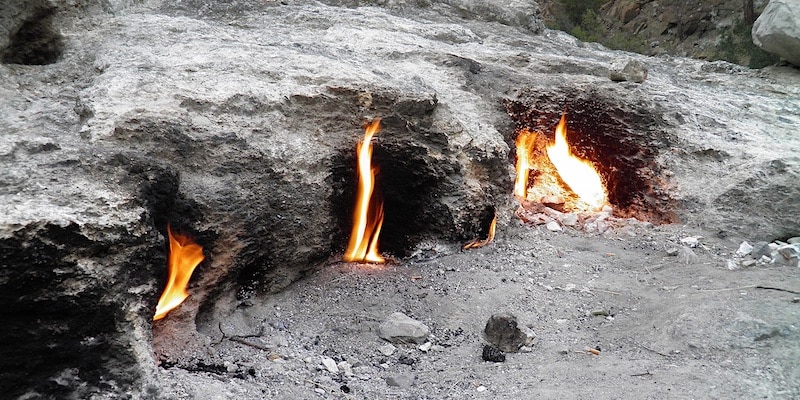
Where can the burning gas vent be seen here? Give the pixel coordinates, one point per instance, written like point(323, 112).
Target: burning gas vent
point(610, 152)
point(416, 186)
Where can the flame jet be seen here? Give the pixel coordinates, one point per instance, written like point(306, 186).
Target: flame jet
point(368, 213)
point(580, 175)
point(184, 257)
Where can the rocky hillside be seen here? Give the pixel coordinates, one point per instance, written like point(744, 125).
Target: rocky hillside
point(708, 29)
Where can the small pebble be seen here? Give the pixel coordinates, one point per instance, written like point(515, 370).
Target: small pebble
point(330, 365)
point(553, 226)
point(691, 241)
point(387, 349)
point(481, 388)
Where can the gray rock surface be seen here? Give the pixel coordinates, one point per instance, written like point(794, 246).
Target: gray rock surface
point(400, 380)
point(400, 328)
point(236, 122)
point(627, 70)
point(777, 29)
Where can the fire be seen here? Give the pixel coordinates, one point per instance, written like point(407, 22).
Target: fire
point(184, 256)
point(580, 175)
point(480, 243)
point(368, 214)
point(525, 142)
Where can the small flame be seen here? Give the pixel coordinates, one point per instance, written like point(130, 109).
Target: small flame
point(184, 256)
point(525, 142)
point(580, 175)
point(480, 243)
point(367, 221)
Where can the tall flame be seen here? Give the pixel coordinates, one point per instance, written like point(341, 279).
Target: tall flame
point(525, 142)
point(489, 237)
point(184, 256)
point(580, 175)
point(367, 222)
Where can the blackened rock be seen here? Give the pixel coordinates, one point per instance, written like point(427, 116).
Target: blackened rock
point(493, 354)
point(404, 359)
point(503, 331)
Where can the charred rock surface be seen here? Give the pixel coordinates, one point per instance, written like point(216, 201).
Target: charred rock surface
point(621, 133)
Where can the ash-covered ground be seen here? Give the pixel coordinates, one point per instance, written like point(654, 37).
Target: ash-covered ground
point(669, 321)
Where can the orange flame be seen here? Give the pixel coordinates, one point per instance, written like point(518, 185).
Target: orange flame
point(480, 243)
point(580, 175)
point(184, 256)
point(525, 142)
point(367, 222)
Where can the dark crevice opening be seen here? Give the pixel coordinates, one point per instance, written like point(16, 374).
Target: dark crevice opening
point(409, 188)
point(36, 41)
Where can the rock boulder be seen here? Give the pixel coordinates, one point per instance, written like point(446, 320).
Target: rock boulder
point(777, 30)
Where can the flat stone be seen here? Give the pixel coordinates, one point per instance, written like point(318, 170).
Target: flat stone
point(793, 240)
point(672, 251)
point(553, 226)
point(744, 249)
point(400, 328)
point(503, 331)
point(570, 219)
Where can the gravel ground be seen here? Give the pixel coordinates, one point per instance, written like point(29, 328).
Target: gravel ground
point(681, 326)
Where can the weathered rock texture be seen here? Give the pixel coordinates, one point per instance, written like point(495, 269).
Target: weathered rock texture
point(777, 30)
point(236, 122)
point(706, 29)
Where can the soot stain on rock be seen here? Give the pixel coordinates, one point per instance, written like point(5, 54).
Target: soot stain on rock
point(619, 135)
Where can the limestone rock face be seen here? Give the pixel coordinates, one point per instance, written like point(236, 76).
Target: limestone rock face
point(236, 123)
point(777, 30)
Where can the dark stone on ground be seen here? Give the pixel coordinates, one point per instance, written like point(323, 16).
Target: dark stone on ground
point(493, 354)
point(503, 331)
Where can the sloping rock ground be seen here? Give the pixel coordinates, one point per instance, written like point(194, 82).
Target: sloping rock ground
point(235, 122)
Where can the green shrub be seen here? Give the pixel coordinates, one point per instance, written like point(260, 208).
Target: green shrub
point(736, 46)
